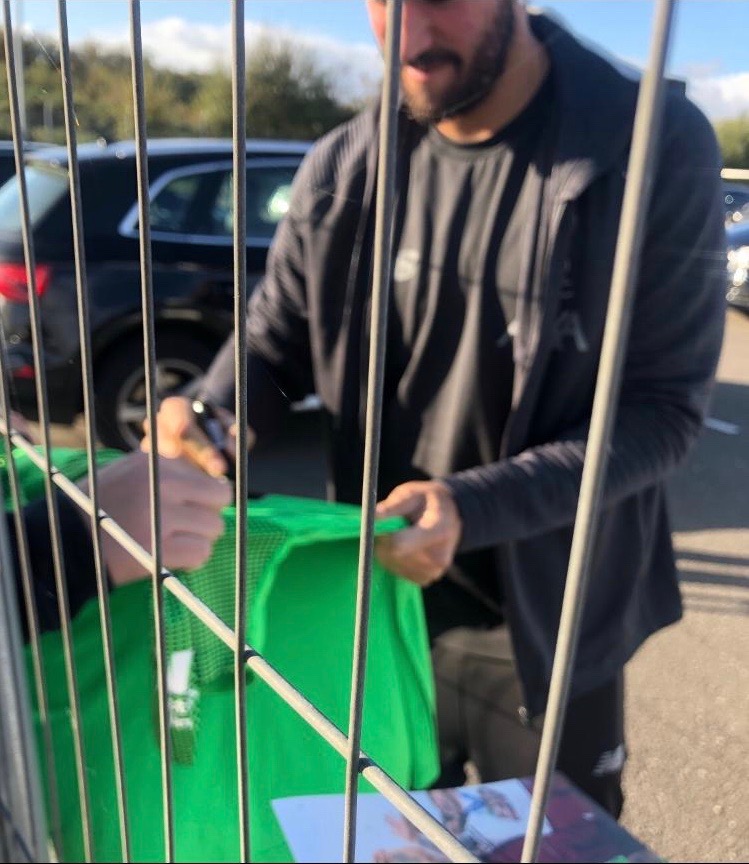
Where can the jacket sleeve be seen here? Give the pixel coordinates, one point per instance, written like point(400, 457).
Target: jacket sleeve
point(77, 550)
point(674, 346)
point(279, 367)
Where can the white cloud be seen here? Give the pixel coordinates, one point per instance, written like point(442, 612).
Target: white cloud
point(721, 96)
point(355, 68)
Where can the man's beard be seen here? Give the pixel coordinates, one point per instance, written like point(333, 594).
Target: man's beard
point(487, 65)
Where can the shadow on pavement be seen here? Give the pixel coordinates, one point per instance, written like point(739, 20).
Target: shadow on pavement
point(711, 489)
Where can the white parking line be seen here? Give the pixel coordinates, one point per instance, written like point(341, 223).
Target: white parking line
point(722, 426)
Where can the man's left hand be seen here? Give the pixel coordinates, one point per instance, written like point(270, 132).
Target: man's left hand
point(423, 551)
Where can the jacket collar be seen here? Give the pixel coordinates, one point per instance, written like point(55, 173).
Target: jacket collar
point(596, 99)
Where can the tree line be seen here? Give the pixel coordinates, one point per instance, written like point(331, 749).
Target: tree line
point(733, 136)
point(288, 96)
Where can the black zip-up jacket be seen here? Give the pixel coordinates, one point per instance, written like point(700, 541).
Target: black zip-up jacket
point(308, 317)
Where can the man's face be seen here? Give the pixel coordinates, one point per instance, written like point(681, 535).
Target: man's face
point(446, 801)
point(497, 804)
point(452, 52)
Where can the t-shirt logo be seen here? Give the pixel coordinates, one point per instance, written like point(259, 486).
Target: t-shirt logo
point(568, 326)
point(407, 265)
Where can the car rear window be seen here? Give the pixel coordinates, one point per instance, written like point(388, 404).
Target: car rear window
point(201, 203)
point(268, 198)
point(45, 186)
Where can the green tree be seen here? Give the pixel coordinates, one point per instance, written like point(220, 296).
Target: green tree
point(212, 105)
point(287, 96)
point(733, 136)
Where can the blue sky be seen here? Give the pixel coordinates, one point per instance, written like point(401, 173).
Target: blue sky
point(709, 45)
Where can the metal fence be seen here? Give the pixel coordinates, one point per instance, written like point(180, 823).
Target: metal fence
point(24, 833)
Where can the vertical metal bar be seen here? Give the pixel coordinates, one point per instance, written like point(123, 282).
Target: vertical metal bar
point(32, 617)
point(41, 395)
point(642, 158)
point(5, 826)
point(149, 353)
point(90, 420)
point(239, 111)
point(20, 762)
point(375, 389)
point(20, 75)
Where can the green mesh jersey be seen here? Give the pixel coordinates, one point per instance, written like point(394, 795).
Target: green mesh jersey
point(302, 562)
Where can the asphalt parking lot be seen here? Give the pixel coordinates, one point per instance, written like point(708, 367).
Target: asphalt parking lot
point(687, 779)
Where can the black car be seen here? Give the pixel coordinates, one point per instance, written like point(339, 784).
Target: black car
point(736, 199)
point(738, 265)
point(192, 249)
point(8, 158)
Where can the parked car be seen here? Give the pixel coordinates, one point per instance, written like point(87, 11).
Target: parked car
point(8, 158)
point(738, 265)
point(736, 197)
point(191, 211)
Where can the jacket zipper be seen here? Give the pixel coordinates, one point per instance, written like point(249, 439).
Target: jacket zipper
point(526, 712)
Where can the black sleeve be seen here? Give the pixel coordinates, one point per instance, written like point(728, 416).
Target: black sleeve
point(279, 360)
point(77, 548)
point(673, 351)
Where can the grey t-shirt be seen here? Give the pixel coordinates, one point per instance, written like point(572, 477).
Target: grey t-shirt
point(449, 367)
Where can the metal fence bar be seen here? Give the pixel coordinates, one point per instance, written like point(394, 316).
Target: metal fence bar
point(149, 354)
point(420, 817)
point(637, 192)
point(32, 616)
point(375, 388)
point(41, 395)
point(24, 797)
point(90, 423)
point(379, 779)
point(82, 500)
point(735, 174)
point(239, 121)
point(20, 76)
point(640, 172)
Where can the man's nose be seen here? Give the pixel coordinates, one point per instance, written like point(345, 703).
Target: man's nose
point(416, 30)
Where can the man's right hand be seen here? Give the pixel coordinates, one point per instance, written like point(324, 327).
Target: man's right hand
point(178, 435)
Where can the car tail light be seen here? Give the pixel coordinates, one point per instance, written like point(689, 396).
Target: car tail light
point(26, 372)
point(14, 284)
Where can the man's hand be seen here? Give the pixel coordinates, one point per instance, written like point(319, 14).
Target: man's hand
point(191, 521)
point(424, 551)
point(179, 435)
point(20, 424)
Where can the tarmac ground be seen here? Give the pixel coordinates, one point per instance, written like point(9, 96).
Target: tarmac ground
point(687, 778)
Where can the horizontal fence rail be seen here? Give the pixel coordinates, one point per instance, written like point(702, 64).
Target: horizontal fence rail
point(741, 174)
point(420, 817)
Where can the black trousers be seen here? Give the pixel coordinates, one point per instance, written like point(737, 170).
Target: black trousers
point(481, 720)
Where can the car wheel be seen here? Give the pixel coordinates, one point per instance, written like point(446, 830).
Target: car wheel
point(120, 383)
